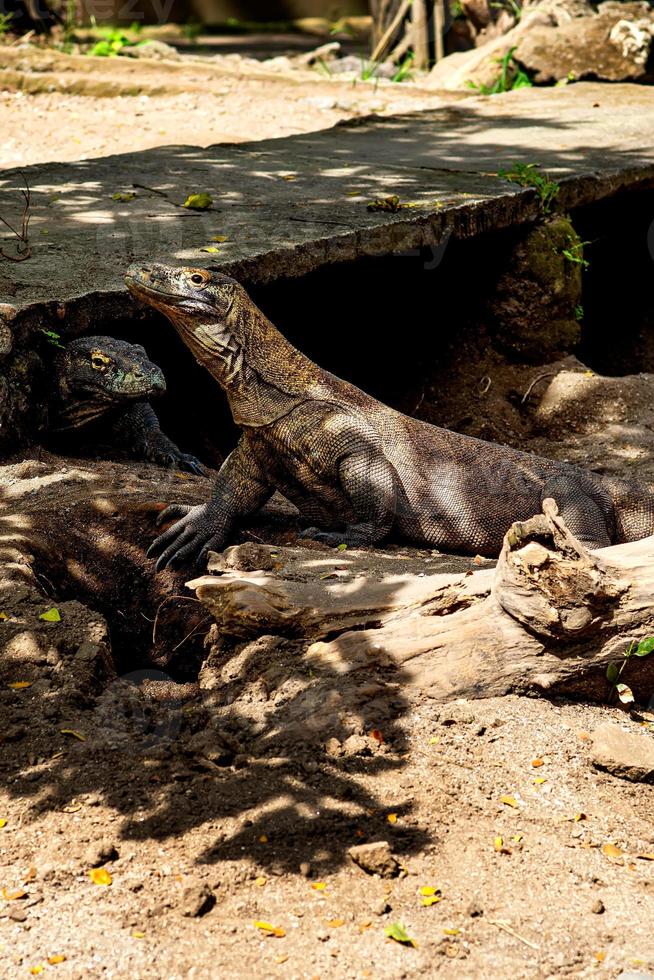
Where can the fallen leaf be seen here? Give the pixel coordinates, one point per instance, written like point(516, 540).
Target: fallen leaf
point(539, 780)
point(392, 817)
point(35, 970)
point(364, 925)
point(198, 202)
point(434, 740)
point(600, 955)
point(57, 958)
point(335, 923)
point(3, 615)
point(209, 248)
point(341, 547)
point(220, 238)
point(3, 822)
point(71, 731)
point(319, 886)
point(509, 801)
point(288, 176)
point(100, 876)
point(268, 929)
point(429, 890)
point(537, 763)
point(124, 196)
point(137, 934)
point(612, 852)
point(263, 839)
point(430, 900)
point(501, 847)
point(72, 807)
point(584, 736)
point(579, 817)
point(377, 735)
point(398, 934)
point(13, 896)
point(516, 838)
point(30, 876)
point(261, 881)
point(625, 693)
point(51, 615)
point(452, 932)
point(20, 685)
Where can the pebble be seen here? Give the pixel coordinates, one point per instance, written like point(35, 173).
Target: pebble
point(598, 907)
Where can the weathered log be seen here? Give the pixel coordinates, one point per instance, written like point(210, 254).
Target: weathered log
point(550, 617)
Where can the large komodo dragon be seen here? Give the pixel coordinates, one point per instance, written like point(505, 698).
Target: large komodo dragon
point(357, 469)
point(100, 388)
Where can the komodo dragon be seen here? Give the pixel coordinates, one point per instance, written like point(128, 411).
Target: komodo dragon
point(102, 384)
point(356, 468)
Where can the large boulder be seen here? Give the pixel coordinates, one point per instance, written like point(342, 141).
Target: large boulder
point(613, 45)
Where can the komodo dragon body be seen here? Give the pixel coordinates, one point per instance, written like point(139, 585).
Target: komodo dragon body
point(102, 385)
point(357, 469)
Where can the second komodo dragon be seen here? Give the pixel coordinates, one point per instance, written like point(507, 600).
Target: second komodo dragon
point(357, 469)
point(100, 388)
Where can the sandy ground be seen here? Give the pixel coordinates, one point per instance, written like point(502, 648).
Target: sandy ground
point(266, 835)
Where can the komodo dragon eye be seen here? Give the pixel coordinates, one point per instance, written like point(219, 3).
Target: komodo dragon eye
point(200, 278)
point(99, 361)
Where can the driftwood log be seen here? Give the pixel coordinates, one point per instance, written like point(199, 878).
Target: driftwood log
point(548, 618)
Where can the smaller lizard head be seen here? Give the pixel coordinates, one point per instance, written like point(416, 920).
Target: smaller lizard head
point(107, 370)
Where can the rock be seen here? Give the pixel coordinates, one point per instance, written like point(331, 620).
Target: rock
point(375, 858)
point(7, 314)
point(598, 907)
point(100, 852)
point(157, 50)
point(474, 909)
point(533, 308)
point(613, 45)
point(624, 754)
point(197, 900)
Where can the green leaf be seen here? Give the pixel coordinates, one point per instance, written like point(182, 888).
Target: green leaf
point(612, 672)
point(51, 615)
point(198, 202)
point(209, 248)
point(124, 196)
point(625, 693)
point(341, 547)
point(645, 647)
point(398, 933)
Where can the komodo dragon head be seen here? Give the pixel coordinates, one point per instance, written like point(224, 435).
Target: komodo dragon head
point(94, 374)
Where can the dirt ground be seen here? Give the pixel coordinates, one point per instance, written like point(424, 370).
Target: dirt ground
point(204, 814)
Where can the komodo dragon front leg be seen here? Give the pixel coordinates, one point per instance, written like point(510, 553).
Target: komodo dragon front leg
point(239, 489)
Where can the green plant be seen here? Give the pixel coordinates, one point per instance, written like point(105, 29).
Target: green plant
point(112, 43)
point(52, 337)
point(191, 30)
point(615, 668)
point(511, 77)
point(528, 175)
point(573, 253)
point(404, 69)
point(511, 6)
point(5, 24)
point(579, 312)
point(368, 70)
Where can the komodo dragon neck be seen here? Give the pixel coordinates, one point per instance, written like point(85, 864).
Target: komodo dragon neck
point(262, 374)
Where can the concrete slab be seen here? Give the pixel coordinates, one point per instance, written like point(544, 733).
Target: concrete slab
point(291, 205)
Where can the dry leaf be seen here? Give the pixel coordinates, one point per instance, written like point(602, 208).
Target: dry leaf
point(71, 731)
point(429, 890)
point(57, 958)
point(335, 923)
point(30, 876)
point(509, 801)
point(3, 615)
point(261, 881)
point(600, 955)
point(220, 238)
point(579, 816)
point(3, 822)
point(539, 780)
point(100, 876)
point(612, 852)
point(137, 934)
point(268, 929)
point(537, 763)
point(13, 896)
point(263, 839)
point(377, 735)
point(20, 685)
point(452, 932)
point(35, 970)
point(319, 886)
point(392, 817)
point(430, 900)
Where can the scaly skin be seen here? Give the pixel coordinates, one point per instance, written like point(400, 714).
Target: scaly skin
point(101, 379)
point(357, 469)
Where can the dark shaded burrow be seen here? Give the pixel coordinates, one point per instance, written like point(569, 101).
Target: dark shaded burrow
point(407, 327)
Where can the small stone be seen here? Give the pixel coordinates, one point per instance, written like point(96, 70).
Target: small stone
point(375, 859)
point(381, 907)
point(17, 913)
point(197, 900)
point(598, 907)
point(305, 869)
point(624, 754)
point(100, 852)
point(474, 909)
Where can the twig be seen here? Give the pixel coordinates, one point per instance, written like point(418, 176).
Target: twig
point(23, 248)
point(387, 36)
point(501, 924)
point(184, 598)
point(540, 377)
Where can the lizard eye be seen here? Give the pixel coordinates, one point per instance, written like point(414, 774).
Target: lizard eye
point(100, 362)
point(199, 278)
